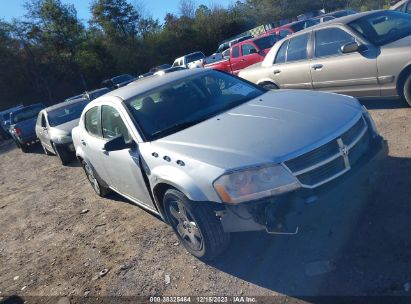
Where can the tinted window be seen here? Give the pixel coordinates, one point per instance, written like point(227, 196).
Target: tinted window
point(383, 27)
point(280, 58)
point(266, 42)
point(408, 8)
point(194, 57)
point(328, 42)
point(112, 124)
point(297, 48)
point(91, 121)
point(246, 48)
point(24, 114)
point(328, 18)
point(235, 52)
point(66, 113)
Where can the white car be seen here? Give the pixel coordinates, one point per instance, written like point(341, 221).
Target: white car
point(190, 61)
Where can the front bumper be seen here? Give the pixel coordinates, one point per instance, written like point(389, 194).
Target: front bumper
point(281, 214)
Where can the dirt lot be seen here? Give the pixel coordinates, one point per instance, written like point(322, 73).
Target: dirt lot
point(359, 245)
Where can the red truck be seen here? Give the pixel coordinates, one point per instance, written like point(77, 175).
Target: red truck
point(245, 53)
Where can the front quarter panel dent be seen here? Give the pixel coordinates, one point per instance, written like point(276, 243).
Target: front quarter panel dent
point(177, 179)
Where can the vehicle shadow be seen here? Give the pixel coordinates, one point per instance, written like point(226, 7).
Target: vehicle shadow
point(358, 244)
point(376, 104)
point(6, 146)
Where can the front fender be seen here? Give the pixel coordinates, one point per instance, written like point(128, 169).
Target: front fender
point(178, 179)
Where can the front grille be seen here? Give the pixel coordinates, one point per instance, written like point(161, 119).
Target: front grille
point(313, 157)
point(322, 173)
point(329, 161)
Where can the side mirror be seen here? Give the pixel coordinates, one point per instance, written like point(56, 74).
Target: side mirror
point(352, 47)
point(252, 51)
point(117, 143)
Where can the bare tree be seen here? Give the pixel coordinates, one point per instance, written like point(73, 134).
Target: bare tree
point(187, 8)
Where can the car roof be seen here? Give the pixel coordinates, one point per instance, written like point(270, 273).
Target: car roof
point(151, 82)
point(63, 104)
point(341, 21)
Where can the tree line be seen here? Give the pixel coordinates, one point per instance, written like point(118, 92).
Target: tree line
point(50, 54)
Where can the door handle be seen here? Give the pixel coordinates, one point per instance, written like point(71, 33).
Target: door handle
point(317, 67)
point(276, 72)
point(242, 59)
point(83, 142)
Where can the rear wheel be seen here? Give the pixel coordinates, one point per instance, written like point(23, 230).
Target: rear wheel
point(406, 90)
point(63, 155)
point(196, 225)
point(98, 188)
point(24, 148)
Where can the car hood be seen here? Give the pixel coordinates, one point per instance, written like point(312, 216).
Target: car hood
point(272, 128)
point(64, 129)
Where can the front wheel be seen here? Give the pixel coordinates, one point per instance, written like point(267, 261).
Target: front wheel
point(98, 188)
point(196, 225)
point(406, 90)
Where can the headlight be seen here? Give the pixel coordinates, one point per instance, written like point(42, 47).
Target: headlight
point(62, 139)
point(370, 121)
point(256, 183)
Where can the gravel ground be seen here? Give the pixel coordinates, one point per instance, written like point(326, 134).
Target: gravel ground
point(359, 244)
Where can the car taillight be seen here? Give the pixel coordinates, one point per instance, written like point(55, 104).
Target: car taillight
point(18, 131)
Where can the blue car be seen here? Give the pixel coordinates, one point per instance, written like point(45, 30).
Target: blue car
point(22, 126)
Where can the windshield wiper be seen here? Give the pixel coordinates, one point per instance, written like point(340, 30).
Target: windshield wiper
point(175, 128)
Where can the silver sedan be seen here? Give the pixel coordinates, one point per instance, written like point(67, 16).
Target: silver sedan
point(363, 55)
point(212, 154)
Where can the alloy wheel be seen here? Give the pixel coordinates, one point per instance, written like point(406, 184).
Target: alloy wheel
point(186, 226)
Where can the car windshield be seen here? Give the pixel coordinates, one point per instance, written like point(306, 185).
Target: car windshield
point(188, 101)
point(383, 27)
point(66, 113)
point(122, 78)
point(194, 57)
point(25, 114)
point(266, 42)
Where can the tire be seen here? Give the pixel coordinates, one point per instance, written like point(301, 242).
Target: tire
point(406, 90)
point(24, 148)
point(270, 86)
point(98, 188)
point(62, 155)
point(196, 225)
point(47, 152)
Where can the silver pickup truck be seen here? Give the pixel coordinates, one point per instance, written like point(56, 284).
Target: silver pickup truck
point(213, 154)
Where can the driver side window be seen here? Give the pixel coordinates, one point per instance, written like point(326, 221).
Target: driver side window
point(112, 123)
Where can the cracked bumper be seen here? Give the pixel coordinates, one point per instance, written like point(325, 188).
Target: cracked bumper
point(281, 214)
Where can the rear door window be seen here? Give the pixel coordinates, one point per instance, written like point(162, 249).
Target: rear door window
point(91, 121)
point(297, 48)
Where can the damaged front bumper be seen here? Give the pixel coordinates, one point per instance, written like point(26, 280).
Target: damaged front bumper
point(281, 214)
